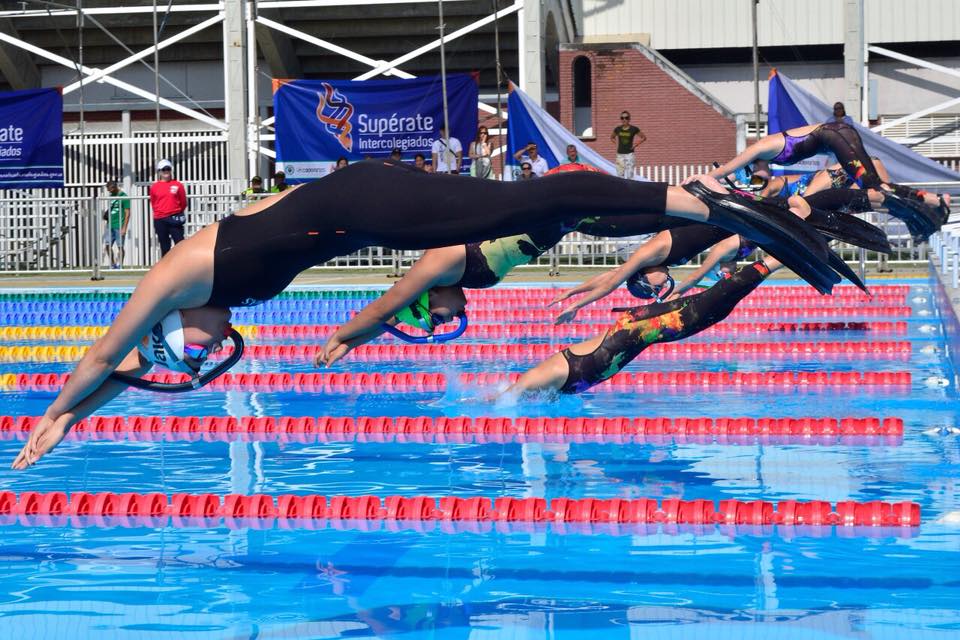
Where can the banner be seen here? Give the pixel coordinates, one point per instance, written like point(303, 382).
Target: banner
point(530, 123)
point(31, 139)
point(319, 121)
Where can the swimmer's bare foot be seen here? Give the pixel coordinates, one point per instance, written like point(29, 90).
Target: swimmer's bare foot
point(944, 208)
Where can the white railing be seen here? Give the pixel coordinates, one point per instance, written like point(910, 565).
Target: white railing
point(62, 229)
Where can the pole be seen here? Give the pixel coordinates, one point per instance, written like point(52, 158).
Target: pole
point(156, 85)
point(253, 116)
point(756, 68)
point(81, 160)
point(443, 86)
point(496, 53)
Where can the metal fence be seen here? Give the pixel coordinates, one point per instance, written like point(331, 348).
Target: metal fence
point(68, 233)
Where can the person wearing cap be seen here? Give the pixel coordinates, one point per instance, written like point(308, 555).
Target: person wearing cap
point(279, 182)
point(256, 186)
point(117, 216)
point(168, 199)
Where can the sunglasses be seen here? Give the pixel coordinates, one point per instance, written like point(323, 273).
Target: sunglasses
point(624, 117)
point(527, 168)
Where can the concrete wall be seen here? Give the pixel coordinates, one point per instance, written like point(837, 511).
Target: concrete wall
point(705, 24)
point(901, 89)
point(680, 126)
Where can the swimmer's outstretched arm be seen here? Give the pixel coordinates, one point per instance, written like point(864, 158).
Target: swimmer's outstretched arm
point(720, 252)
point(436, 267)
point(653, 252)
point(48, 432)
point(173, 283)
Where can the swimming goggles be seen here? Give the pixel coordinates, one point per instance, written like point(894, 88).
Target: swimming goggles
point(418, 314)
point(199, 378)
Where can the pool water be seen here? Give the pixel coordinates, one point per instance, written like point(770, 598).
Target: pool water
point(375, 579)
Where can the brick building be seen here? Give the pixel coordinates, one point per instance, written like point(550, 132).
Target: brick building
point(682, 122)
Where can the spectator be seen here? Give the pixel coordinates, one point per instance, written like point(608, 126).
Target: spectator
point(395, 155)
point(428, 167)
point(279, 182)
point(526, 171)
point(117, 216)
point(168, 199)
point(624, 135)
point(342, 163)
point(256, 186)
point(447, 153)
point(481, 152)
point(419, 162)
point(572, 156)
point(530, 154)
point(840, 114)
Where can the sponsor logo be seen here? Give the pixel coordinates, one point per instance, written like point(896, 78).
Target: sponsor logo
point(334, 111)
point(11, 142)
point(157, 345)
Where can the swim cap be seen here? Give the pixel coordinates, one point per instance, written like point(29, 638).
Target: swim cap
point(417, 314)
point(164, 344)
point(640, 288)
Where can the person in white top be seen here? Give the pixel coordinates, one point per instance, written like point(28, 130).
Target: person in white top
point(537, 162)
point(447, 153)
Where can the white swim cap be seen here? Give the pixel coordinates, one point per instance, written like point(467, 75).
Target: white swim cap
point(164, 344)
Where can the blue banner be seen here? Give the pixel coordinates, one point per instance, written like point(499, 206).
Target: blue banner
point(319, 121)
point(31, 139)
point(783, 113)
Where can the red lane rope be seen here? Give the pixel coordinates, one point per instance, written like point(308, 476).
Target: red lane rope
point(451, 509)
point(482, 429)
point(899, 350)
point(751, 301)
point(603, 314)
point(437, 382)
point(768, 290)
point(568, 331)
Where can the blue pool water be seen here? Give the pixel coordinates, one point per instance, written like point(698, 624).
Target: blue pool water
point(203, 582)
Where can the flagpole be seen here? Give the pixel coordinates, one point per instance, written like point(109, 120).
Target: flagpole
point(756, 68)
point(443, 84)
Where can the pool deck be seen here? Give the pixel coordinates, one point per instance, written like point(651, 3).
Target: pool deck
point(352, 277)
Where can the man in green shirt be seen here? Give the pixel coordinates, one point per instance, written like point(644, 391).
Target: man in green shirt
point(624, 135)
point(117, 216)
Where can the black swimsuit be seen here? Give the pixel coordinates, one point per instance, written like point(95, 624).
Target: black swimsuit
point(396, 206)
point(488, 262)
point(843, 141)
point(689, 241)
point(642, 326)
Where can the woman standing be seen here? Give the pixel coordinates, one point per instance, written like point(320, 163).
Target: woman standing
point(480, 152)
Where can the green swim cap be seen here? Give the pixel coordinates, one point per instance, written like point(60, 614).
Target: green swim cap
point(417, 313)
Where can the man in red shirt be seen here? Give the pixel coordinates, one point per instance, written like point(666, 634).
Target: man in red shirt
point(168, 199)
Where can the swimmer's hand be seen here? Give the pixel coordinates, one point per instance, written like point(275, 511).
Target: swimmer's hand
point(46, 434)
point(596, 287)
point(331, 352)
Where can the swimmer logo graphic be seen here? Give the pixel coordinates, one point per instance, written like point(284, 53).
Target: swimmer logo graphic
point(335, 111)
